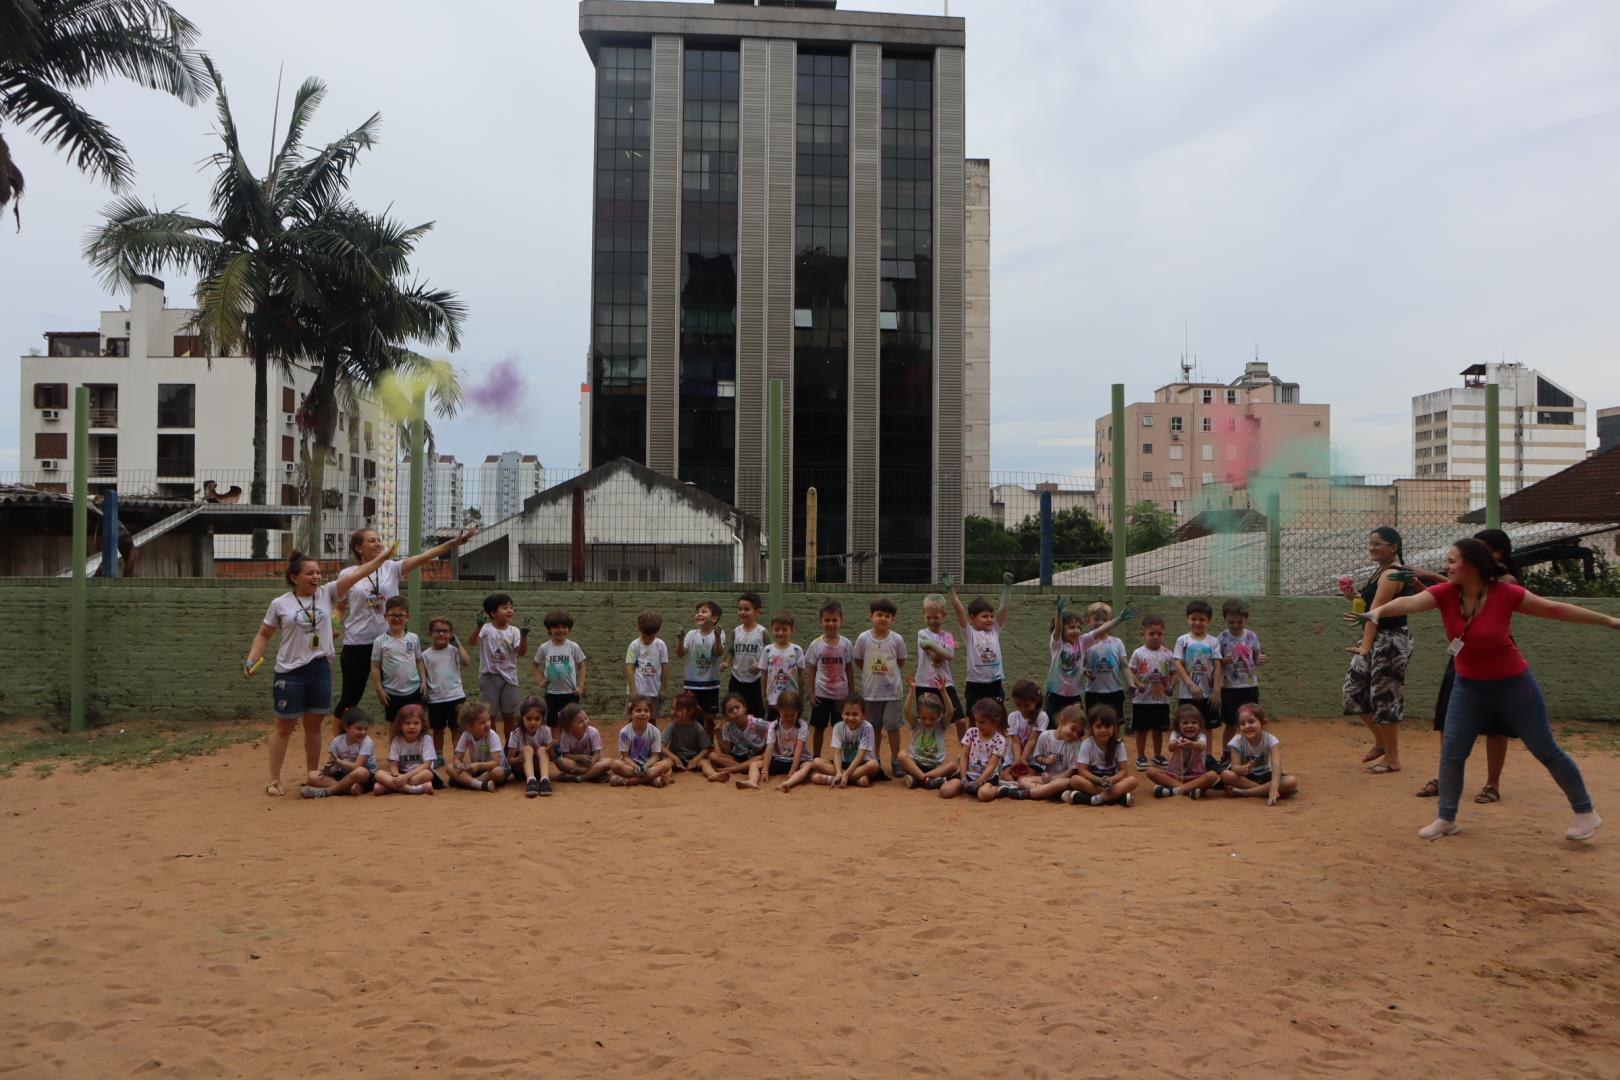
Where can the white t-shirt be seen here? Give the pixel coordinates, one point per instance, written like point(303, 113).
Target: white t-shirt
point(982, 753)
point(752, 736)
point(1023, 729)
point(586, 745)
point(520, 737)
point(648, 658)
point(781, 667)
point(497, 651)
point(702, 665)
point(849, 743)
point(1063, 754)
point(984, 654)
point(928, 743)
point(1258, 755)
point(829, 660)
point(350, 754)
point(1187, 755)
point(1153, 670)
point(929, 669)
point(305, 623)
point(881, 660)
point(397, 657)
point(1198, 656)
point(1105, 658)
point(746, 648)
point(642, 747)
point(783, 739)
point(559, 665)
point(1240, 656)
point(1067, 675)
point(486, 749)
point(408, 755)
point(363, 620)
point(1095, 758)
point(443, 674)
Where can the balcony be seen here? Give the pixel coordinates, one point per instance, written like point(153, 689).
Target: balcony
point(104, 418)
point(103, 468)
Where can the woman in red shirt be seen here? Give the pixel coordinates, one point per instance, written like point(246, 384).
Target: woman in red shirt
point(1494, 683)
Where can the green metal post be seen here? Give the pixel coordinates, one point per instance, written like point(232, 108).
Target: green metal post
point(1493, 456)
point(778, 543)
point(414, 536)
point(1274, 544)
point(1117, 459)
point(79, 618)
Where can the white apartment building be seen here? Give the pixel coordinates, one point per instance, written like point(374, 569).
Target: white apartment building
point(444, 493)
point(505, 481)
point(167, 421)
point(1542, 425)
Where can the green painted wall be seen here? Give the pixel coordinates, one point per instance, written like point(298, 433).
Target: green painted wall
point(174, 649)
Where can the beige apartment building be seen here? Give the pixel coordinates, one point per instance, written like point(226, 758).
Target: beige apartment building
point(1193, 435)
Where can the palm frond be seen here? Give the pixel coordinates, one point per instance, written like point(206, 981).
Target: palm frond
point(11, 183)
point(305, 103)
point(139, 239)
point(61, 122)
point(314, 186)
point(84, 58)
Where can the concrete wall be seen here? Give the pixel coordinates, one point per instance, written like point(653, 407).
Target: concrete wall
point(976, 496)
point(173, 650)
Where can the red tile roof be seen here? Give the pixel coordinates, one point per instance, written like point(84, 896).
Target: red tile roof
point(1586, 492)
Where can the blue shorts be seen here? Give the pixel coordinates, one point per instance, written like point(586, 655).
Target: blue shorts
point(306, 689)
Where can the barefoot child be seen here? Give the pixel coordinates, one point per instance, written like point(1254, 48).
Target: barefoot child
point(479, 763)
point(1186, 772)
point(984, 749)
point(742, 742)
point(579, 747)
point(982, 625)
point(1100, 777)
point(641, 759)
point(1256, 768)
point(787, 743)
point(410, 756)
point(397, 675)
point(880, 654)
point(645, 660)
point(442, 662)
point(1057, 753)
point(828, 656)
point(528, 748)
point(854, 749)
point(687, 747)
point(353, 760)
point(499, 645)
point(924, 758)
point(1153, 675)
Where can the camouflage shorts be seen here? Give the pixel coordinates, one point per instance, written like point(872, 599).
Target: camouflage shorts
point(1375, 685)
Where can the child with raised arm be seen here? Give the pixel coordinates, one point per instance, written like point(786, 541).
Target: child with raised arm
point(410, 756)
point(528, 748)
point(397, 674)
point(442, 662)
point(782, 665)
point(854, 749)
point(1256, 768)
point(979, 762)
point(1107, 666)
point(687, 747)
point(1153, 677)
point(1100, 777)
point(560, 664)
point(982, 625)
point(880, 654)
point(1198, 664)
point(352, 761)
point(829, 657)
point(499, 645)
point(579, 747)
point(1056, 756)
point(936, 648)
point(1066, 677)
point(929, 716)
point(645, 660)
point(703, 648)
point(479, 763)
point(1186, 772)
point(641, 759)
point(1240, 666)
point(746, 649)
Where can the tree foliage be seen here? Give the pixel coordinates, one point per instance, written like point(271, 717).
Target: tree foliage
point(1148, 526)
point(1567, 578)
point(1078, 539)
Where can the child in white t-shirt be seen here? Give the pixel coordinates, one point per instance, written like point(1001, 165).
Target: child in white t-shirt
point(1100, 774)
point(397, 673)
point(983, 753)
point(929, 717)
point(1024, 725)
point(559, 663)
point(479, 763)
point(936, 648)
point(1256, 768)
point(782, 665)
point(982, 625)
point(1185, 772)
point(741, 746)
point(579, 747)
point(787, 744)
point(644, 662)
point(641, 759)
point(703, 647)
point(410, 756)
point(747, 646)
point(499, 645)
point(854, 748)
point(442, 662)
point(1056, 756)
point(528, 748)
point(351, 763)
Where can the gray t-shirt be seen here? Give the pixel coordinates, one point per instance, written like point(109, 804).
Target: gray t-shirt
point(686, 741)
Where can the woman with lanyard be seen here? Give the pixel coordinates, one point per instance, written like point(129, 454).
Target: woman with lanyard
point(1494, 684)
point(1375, 685)
point(1496, 734)
point(369, 591)
point(303, 682)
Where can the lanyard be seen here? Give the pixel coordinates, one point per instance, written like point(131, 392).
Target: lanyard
point(310, 613)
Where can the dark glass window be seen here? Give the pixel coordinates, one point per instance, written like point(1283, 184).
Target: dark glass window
point(821, 309)
point(51, 395)
point(1549, 395)
point(619, 285)
point(176, 455)
point(906, 322)
point(177, 405)
point(708, 424)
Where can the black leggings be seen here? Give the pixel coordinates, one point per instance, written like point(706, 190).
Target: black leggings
point(356, 663)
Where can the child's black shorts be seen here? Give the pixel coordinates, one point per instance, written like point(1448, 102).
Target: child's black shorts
point(826, 712)
point(1115, 701)
point(442, 714)
point(1234, 699)
point(1150, 717)
point(950, 691)
point(978, 691)
point(752, 692)
point(1211, 715)
point(708, 699)
point(781, 766)
point(1056, 703)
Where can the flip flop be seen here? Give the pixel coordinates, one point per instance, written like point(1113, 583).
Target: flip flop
point(1382, 768)
point(1429, 790)
point(1372, 755)
point(1488, 794)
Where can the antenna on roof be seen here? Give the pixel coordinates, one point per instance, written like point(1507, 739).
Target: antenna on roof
point(1187, 362)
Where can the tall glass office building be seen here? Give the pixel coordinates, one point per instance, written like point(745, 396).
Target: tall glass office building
point(779, 196)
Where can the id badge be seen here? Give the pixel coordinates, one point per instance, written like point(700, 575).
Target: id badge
point(1455, 647)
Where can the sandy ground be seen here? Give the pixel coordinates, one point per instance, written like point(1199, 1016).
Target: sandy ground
point(175, 922)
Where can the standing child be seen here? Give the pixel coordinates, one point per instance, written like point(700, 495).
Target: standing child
point(984, 748)
point(1240, 667)
point(747, 647)
point(1100, 777)
point(1066, 677)
point(686, 746)
point(353, 760)
point(559, 663)
point(742, 742)
point(1257, 768)
point(1198, 664)
point(1024, 725)
point(1056, 756)
point(645, 661)
point(1186, 773)
point(854, 749)
point(703, 648)
point(936, 648)
point(1106, 666)
point(829, 657)
point(442, 662)
point(1153, 678)
point(641, 759)
point(787, 743)
point(579, 747)
point(397, 674)
point(479, 763)
point(929, 717)
point(982, 624)
point(528, 748)
point(782, 664)
point(499, 645)
point(880, 654)
point(410, 756)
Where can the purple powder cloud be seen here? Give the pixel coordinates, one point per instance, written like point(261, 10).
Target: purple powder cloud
point(500, 391)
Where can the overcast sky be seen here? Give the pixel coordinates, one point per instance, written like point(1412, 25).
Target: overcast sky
point(1377, 194)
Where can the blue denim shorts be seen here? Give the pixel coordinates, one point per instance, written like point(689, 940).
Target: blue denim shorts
point(303, 689)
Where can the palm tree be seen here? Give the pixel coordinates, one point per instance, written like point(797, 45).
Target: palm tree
point(258, 258)
point(49, 48)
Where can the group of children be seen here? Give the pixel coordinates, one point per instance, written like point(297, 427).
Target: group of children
point(1062, 742)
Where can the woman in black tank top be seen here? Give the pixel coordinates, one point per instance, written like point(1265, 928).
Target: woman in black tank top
point(1375, 685)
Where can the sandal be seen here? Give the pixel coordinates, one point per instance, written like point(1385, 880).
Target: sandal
point(274, 789)
point(1372, 755)
point(1488, 794)
point(1382, 768)
point(1429, 790)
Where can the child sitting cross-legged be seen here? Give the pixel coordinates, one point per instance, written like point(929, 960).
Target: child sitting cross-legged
point(1185, 774)
point(982, 756)
point(1055, 757)
point(1100, 777)
point(929, 716)
point(479, 763)
point(353, 760)
point(641, 759)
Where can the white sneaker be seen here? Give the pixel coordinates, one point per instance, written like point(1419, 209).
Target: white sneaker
point(1437, 828)
point(1583, 826)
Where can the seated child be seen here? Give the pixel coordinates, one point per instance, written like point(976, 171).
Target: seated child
point(410, 756)
point(983, 754)
point(1056, 755)
point(1185, 774)
point(1100, 777)
point(353, 760)
point(854, 747)
point(787, 742)
point(929, 716)
point(641, 759)
point(479, 763)
point(1024, 724)
point(528, 748)
point(741, 740)
point(579, 747)
point(687, 746)
point(1256, 762)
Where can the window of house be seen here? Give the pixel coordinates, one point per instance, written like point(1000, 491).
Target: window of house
point(177, 455)
point(1177, 451)
point(1147, 448)
point(288, 451)
point(289, 495)
point(177, 405)
point(1177, 479)
point(118, 346)
point(1207, 424)
point(1208, 452)
point(1175, 423)
point(50, 395)
point(1147, 420)
point(50, 444)
point(1208, 396)
point(1231, 397)
point(289, 400)
point(1175, 506)
point(188, 345)
point(1208, 478)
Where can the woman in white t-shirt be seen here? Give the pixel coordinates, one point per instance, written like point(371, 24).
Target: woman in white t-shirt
point(302, 686)
point(371, 586)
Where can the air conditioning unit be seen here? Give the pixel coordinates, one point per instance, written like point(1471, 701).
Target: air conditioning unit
point(50, 414)
point(50, 464)
point(1175, 436)
point(288, 419)
point(289, 468)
